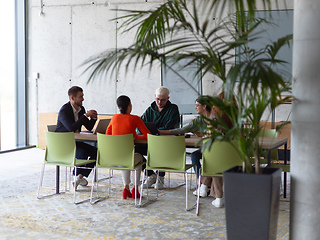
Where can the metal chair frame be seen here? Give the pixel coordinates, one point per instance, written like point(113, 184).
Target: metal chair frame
point(61, 151)
point(220, 157)
point(115, 152)
point(166, 153)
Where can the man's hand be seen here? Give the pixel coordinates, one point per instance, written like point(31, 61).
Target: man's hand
point(92, 114)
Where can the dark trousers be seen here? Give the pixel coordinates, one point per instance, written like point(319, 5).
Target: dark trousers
point(142, 149)
point(83, 151)
point(195, 159)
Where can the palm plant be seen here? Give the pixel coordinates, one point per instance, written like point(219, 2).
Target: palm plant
point(189, 30)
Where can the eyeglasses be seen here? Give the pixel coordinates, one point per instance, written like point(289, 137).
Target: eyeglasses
point(198, 105)
point(161, 100)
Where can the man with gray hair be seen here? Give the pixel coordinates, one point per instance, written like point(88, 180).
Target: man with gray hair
point(166, 116)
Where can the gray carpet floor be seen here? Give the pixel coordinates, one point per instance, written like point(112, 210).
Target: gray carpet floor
point(23, 216)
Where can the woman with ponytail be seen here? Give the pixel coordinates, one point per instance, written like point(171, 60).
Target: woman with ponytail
point(126, 123)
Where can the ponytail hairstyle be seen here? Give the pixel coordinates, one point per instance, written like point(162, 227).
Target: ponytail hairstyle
point(123, 103)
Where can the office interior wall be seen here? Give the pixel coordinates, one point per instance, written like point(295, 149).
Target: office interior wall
point(64, 33)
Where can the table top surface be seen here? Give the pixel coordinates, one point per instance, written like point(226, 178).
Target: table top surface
point(264, 142)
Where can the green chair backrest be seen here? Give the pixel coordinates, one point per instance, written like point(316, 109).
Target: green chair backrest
point(270, 133)
point(219, 158)
point(60, 148)
point(167, 153)
point(115, 151)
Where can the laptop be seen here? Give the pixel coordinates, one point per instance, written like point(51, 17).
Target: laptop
point(152, 128)
point(102, 126)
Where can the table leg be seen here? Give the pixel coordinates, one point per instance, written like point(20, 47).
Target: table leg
point(57, 179)
point(273, 118)
point(269, 158)
point(285, 173)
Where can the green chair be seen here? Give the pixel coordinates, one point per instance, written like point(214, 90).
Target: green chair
point(114, 152)
point(220, 157)
point(167, 153)
point(61, 151)
point(273, 153)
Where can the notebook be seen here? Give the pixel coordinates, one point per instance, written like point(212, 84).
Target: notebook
point(152, 128)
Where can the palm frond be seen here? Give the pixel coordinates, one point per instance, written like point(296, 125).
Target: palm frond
point(188, 32)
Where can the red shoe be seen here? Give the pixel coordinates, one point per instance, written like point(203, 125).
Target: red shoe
point(126, 193)
point(133, 193)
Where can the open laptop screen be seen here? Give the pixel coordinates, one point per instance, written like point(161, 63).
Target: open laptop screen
point(102, 126)
point(152, 128)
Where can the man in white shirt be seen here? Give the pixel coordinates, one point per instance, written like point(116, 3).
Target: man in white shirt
point(71, 117)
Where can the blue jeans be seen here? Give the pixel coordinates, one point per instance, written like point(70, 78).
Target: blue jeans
point(195, 159)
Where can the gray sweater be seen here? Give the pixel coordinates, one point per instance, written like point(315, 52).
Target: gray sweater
point(194, 126)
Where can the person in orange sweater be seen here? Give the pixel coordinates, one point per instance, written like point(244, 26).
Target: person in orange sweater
point(125, 123)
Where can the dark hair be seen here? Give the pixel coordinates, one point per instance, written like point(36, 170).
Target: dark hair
point(73, 91)
point(123, 103)
point(204, 100)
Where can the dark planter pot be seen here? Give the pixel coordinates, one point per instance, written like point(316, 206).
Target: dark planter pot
point(252, 203)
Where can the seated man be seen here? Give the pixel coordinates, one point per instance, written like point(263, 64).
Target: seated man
point(166, 116)
point(71, 117)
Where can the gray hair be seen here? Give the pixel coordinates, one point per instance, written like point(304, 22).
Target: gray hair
point(162, 91)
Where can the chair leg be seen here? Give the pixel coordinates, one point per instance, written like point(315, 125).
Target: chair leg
point(158, 179)
point(191, 178)
point(95, 182)
point(135, 187)
point(193, 172)
point(66, 182)
point(141, 190)
point(92, 185)
point(186, 177)
point(110, 182)
point(110, 176)
point(69, 179)
point(41, 180)
point(179, 185)
point(187, 195)
point(74, 185)
point(198, 195)
point(141, 204)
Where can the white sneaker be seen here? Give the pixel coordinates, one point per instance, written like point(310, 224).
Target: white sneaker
point(83, 182)
point(77, 182)
point(150, 181)
point(218, 202)
point(159, 183)
point(203, 191)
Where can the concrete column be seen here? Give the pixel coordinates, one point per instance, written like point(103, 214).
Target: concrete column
point(305, 135)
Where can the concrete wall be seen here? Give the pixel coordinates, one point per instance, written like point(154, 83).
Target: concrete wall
point(64, 33)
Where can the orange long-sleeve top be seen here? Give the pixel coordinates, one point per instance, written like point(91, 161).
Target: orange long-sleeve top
point(121, 124)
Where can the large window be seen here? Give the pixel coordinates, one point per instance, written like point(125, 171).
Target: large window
point(12, 75)
point(280, 24)
point(184, 86)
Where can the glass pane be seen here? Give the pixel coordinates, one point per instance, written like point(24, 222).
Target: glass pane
point(7, 77)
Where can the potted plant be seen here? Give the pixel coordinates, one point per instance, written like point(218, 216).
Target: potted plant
point(251, 193)
point(188, 30)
